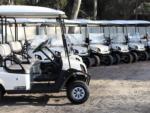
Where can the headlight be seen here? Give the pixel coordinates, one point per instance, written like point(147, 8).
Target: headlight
point(76, 51)
point(38, 57)
point(118, 48)
point(136, 47)
point(78, 59)
point(83, 68)
point(98, 50)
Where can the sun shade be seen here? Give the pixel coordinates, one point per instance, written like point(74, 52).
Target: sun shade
point(22, 11)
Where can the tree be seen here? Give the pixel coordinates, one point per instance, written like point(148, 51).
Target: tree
point(95, 9)
point(75, 12)
point(10, 2)
point(76, 8)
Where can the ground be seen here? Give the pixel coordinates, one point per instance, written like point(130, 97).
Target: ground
point(123, 88)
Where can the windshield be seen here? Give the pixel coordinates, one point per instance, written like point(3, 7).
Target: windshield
point(54, 42)
point(76, 39)
point(37, 40)
point(97, 38)
point(134, 37)
point(118, 38)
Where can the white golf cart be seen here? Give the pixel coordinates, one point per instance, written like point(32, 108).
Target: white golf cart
point(97, 41)
point(39, 76)
point(56, 44)
point(143, 28)
point(118, 46)
point(134, 40)
point(79, 45)
point(117, 42)
point(146, 41)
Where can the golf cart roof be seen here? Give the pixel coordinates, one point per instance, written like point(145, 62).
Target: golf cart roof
point(21, 11)
point(26, 20)
point(78, 22)
point(125, 22)
point(130, 22)
point(34, 21)
point(84, 22)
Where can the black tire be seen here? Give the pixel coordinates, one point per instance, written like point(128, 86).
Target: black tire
point(144, 56)
point(108, 60)
point(86, 61)
point(97, 60)
point(91, 61)
point(2, 92)
point(78, 87)
point(127, 58)
point(135, 56)
point(116, 59)
point(148, 55)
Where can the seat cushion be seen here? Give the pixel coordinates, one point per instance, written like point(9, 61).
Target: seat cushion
point(26, 67)
point(16, 46)
point(5, 50)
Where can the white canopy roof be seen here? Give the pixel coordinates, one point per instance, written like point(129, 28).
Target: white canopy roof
point(107, 22)
point(129, 22)
point(22, 11)
point(26, 20)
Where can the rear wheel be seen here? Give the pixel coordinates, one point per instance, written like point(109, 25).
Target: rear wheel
point(96, 60)
point(127, 58)
point(148, 55)
point(116, 59)
point(135, 57)
point(86, 61)
point(108, 60)
point(2, 92)
point(78, 92)
point(89, 61)
point(144, 56)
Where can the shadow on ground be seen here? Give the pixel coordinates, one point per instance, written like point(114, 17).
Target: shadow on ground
point(33, 100)
point(135, 71)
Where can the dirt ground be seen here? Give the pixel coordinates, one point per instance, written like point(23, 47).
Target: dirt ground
point(123, 88)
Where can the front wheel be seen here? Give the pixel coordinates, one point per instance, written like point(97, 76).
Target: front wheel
point(144, 56)
point(108, 60)
point(127, 58)
point(116, 59)
point(96, 60)
point(86, 61)
point(78, 92)
point(1, 94)
point(135, 56)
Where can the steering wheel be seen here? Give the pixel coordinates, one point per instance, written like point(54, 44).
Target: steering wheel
point(40, 46)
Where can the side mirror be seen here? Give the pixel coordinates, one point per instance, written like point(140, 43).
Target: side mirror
point(87, 40)
point(57, 53)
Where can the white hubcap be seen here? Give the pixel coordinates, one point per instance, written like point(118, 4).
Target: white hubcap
point(78, 93)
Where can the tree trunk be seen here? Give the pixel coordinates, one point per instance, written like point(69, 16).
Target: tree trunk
point(75, 12)
point(10, 2)
point(95, 9)
point(76, 8)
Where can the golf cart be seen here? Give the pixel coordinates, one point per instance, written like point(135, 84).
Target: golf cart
point(97, 41)
point(143, 28)
point(146, 41)
point(117, 43)
point(75, 61)
point(134, 40)
point(39, 76)
point(79, 45)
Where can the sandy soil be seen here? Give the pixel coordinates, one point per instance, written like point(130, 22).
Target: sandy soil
point(123, 88)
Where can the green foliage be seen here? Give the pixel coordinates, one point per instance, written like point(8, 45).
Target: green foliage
point(107, 9)
point(20, 2)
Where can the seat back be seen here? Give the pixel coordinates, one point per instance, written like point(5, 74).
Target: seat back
point(16, 46)
point(5, 50)
point(96, 38)
point(76, 39)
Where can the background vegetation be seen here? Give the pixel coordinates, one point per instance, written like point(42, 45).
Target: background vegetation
point(94, 9)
